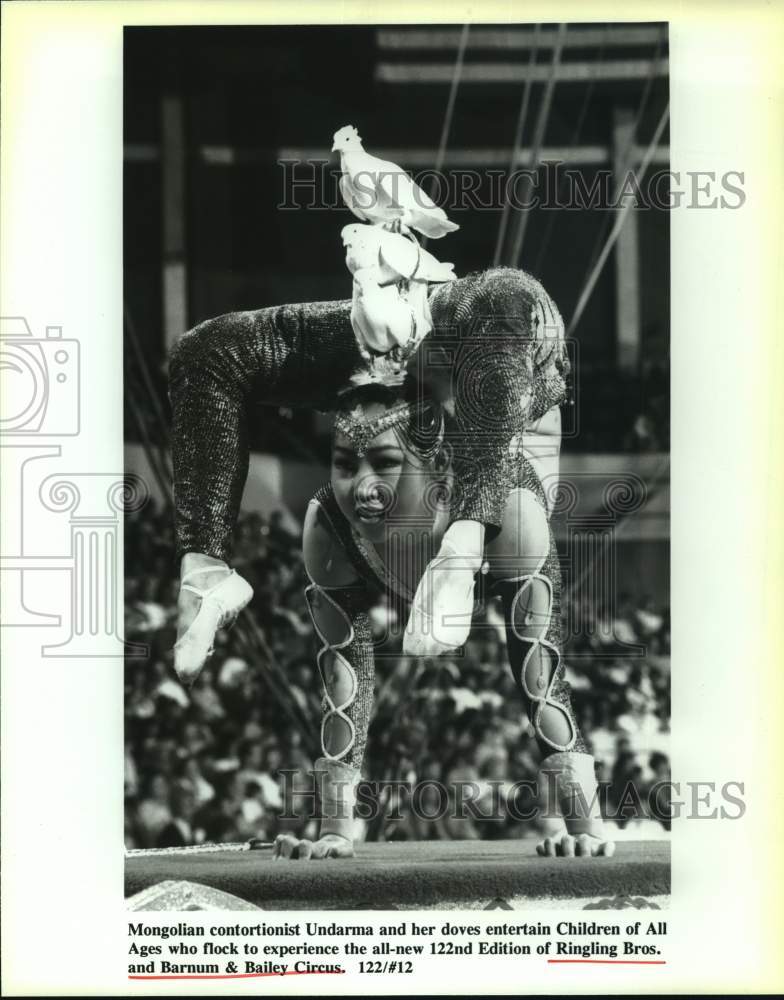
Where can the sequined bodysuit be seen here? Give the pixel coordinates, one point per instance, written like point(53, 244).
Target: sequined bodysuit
point(497, 337)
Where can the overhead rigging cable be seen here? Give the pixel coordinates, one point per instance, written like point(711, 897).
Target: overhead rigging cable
point(153, 398)
point(145, 407)
point(162, 474)
point(517, 145)
point(450, 107)
point(536, 144)
point(573, 142)
point(616, 230)
point(627, 149)
point(251, 638)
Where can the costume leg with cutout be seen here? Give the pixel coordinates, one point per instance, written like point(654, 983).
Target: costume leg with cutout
point(530, 611)
point(346, 665)
point(531, 600)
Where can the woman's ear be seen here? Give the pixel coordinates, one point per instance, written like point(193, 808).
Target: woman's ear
point(443, 459)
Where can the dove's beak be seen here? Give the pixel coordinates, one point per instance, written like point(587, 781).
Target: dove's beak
point(334, 147)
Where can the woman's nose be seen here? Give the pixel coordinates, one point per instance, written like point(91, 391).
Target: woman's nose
point(366, 488)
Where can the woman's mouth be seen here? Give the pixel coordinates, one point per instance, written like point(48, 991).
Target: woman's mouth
point(370, 514)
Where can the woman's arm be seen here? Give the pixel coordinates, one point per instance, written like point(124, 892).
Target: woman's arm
point(338, 602)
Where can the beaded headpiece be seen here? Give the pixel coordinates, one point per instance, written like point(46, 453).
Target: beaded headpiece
point(423, 422)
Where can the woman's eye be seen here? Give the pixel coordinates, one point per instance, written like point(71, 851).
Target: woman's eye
point(385, 464)
point(344, 465)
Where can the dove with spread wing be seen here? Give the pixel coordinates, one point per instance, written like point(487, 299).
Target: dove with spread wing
point(380, 192)
point(382, 318)
point(389, 305)
point(397, 258)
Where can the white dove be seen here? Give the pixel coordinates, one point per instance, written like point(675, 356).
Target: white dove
point(397, 258)
point(379, 191)
point(383, 316)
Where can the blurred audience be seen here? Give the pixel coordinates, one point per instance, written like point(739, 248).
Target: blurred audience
point(230, 759)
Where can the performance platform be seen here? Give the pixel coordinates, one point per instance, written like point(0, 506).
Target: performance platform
point(417, 875)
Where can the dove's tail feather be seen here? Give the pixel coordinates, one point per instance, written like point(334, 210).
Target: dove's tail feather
point(446, 273)
point(434, 229)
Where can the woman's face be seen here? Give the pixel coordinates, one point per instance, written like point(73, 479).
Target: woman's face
point(386, 488)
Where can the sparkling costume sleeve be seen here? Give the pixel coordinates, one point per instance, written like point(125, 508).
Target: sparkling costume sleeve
point(503, 339)
point(295, 356)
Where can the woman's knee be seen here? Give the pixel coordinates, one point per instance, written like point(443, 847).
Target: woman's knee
point(325, 558)
point(523, 543)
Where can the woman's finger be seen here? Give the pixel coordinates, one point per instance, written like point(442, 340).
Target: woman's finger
point(583, 847)
point(276, 846)
point(567, 846)
point(287, 845)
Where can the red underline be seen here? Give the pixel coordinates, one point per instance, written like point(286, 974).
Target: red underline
point(245, 975)
point(603, 961)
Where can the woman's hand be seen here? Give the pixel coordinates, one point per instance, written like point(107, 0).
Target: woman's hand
point(331, 845)
point(581, 845)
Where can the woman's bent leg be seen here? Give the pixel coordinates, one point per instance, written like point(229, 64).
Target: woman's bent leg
point(524, 562)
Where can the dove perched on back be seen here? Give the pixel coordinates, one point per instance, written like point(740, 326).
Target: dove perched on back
point(381, 192)
point(382, 318)
point(396, 258)
point(389, 305)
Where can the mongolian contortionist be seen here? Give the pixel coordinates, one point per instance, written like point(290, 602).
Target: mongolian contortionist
point(446, 393)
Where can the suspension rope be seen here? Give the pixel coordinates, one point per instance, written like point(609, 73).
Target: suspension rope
point(616, 230)
point(450, 108)
point(574, 141)
point(536, 145)
point(627, 149)
point(518, 143)
point(154, 399)
point(162, 475)
point(254, 641)
point(142, 400)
